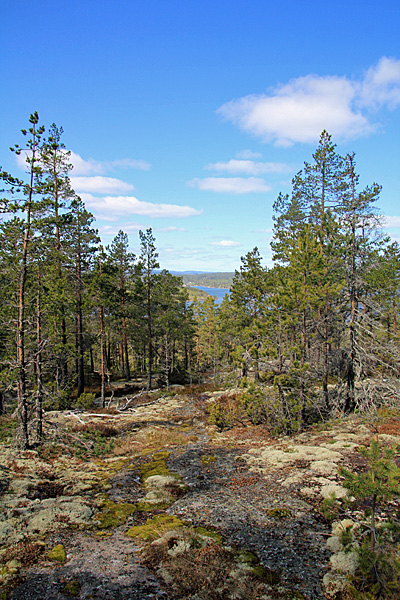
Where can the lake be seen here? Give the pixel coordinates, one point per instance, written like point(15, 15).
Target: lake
point(218, 292)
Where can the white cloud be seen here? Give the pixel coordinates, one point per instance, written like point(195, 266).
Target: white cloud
point(100, 185)
point(381, 85)
point(299, 110)
point(131, 205)
point(249, 167)
point(230, 185)
point(82, 166)
point(126, 228)
point(248, 154)
point(96, 167)
point(391, 221)
point(167, 229)
point(85, 167)
point(225, 243)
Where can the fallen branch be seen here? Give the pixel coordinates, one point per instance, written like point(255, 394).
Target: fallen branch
point(129, 401)
point(100, 416)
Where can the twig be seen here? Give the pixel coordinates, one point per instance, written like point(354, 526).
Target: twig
point(100, 416)
point(111, 389)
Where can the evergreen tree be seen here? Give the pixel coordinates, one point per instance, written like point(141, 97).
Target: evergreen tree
point(359, 224)
point(148, 260)
point(82, 240)
point(28, 206)
point(56, 189)
point(123, 263)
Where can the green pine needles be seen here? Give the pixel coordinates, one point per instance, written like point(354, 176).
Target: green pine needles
point(374, 487)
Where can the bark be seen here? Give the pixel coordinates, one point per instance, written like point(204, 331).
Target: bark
point(39, 378)
point(102, 359)
point(150, 334)
point(350, 398)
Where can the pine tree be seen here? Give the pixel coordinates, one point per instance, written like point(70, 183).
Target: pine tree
point(148, 260)
point(123, 262)
point(57, 191)
point(83, 240)
point(27, 205)
point(359, 224)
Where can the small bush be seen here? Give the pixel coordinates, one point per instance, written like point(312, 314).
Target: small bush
point(196, 566)
point(86, 400)
point(7, 428)
point(103, 429)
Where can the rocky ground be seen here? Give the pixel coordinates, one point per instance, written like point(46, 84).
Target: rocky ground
point(173, 508)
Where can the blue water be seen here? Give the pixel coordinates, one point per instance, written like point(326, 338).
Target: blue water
point(218, 292)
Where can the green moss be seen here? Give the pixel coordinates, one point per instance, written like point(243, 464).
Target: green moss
point(7, 428)
point(278, 513)
point(114, 514)
point(144, 506)
point(72, 588)
point(210, 533)
point(57, 553)
point(207, 459)
point(155, 527)
point(164, 455)
point(156, 467)
point(265, 574)
point(248, 557)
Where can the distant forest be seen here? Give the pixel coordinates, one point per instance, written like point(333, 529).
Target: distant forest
point(213, 280)
point(315, 335)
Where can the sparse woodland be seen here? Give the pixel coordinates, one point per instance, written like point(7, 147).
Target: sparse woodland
point(313, 338)
point(320, 327)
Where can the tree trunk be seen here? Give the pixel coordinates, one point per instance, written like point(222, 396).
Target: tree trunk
point(80, 350)
point(102, 359)
point(39, 379)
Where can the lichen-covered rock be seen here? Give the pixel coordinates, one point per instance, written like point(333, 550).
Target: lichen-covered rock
point(334, 544)
point(9, 534)
point(334, 583)
point(344, 562)
point(333, 488)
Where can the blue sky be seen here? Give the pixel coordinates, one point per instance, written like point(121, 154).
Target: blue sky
point(190, 117)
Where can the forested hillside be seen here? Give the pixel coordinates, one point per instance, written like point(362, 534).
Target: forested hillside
point(320, 327)
point(312, 338)
point(216, 280)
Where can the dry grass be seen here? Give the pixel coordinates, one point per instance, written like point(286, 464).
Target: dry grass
point(103, 429)
point(28, 553)
point(209, 570)
point(151, 439)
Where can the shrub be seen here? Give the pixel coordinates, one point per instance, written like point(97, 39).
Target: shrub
point(373, 487)
point(86, 400)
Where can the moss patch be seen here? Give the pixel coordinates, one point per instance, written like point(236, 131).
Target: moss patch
point(278, 513)
point(208, 459)
point(248, 557)
point(114, 514)
point(57, 553)
point(155, 527)
point(265, 574)
point(144, 506)
point(210, 533)
point(72, 588)
point(156, 467)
